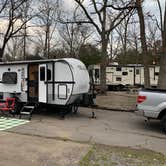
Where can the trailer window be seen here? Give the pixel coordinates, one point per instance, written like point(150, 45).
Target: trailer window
point(137, 71)
point(118, 68)
point(156, 73)
point(96, 73)
point(124, 73)
point(1, 95)
point(118, 79)
point(9, 78)
point(48, 74)
point(42, 74)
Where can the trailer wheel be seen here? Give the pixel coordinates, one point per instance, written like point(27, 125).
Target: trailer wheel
point(74, 109)
point(163, 123)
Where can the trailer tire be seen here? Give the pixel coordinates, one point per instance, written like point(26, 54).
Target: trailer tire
point(163, 123)
point(74, 109)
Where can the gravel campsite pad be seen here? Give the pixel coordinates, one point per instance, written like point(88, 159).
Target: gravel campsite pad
point(7, 123)
point(101, 155)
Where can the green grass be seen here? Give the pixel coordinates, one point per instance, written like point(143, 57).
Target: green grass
point(101, 155)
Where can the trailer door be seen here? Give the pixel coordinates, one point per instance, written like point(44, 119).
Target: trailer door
point(43, 83)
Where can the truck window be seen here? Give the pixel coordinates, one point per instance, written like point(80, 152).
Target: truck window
point(9, 78)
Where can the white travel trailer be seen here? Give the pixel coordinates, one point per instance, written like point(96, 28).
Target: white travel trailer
point(118, 76)
point(59, 82)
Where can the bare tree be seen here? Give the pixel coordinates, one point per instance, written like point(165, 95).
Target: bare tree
point(11, 13)
point(74, 35)
point(122, 31)
point(47, 21)
point(14, 48)
point(143, 42)
point(162, 25)
point(105, 15)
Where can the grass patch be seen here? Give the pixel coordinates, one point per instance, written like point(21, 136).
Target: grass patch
point(101, 155)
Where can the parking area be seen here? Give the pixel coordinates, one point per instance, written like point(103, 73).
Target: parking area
point(109, 128)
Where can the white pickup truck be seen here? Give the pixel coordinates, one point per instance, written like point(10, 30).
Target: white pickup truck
point(151, 103)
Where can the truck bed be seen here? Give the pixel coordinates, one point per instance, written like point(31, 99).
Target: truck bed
point(151, 102)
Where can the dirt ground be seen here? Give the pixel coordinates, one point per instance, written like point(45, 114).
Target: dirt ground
point(24, 150)
point(117, 100)
point(109, 128)
point(113, 138)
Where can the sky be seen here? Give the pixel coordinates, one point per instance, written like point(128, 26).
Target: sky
point(149, 5)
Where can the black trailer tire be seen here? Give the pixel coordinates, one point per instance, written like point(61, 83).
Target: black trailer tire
point(74, 109)
point(163, 123)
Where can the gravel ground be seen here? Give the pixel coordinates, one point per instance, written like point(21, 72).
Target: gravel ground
point(117, 100)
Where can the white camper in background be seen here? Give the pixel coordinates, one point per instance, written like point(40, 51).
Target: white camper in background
point(118, 76)
point(57, 82)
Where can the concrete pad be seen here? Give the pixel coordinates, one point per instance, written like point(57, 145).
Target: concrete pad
point(21, 150)
point(110, 128)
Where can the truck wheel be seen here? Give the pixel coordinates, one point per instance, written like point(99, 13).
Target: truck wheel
point(163, 123)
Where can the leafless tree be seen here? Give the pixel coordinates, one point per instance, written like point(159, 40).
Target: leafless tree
point(162, 26)
point(122, 31)
point(47, 21)
point(73, 34)
point(143, 42)
point(14, 48)
point(105, 15)
point(11, 14)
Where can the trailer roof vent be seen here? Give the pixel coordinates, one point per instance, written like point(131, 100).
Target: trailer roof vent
point(9, 78)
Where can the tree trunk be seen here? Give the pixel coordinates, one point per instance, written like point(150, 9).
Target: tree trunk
point(2, 50)
point(103, 66)
point(162, 74)
point(143, 43)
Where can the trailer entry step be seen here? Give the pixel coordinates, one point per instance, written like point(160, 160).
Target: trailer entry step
point(27, 110)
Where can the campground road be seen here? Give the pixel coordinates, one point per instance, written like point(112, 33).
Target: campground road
point(110, 128)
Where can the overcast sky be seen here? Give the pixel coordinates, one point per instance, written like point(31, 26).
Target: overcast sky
point(149, 5)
